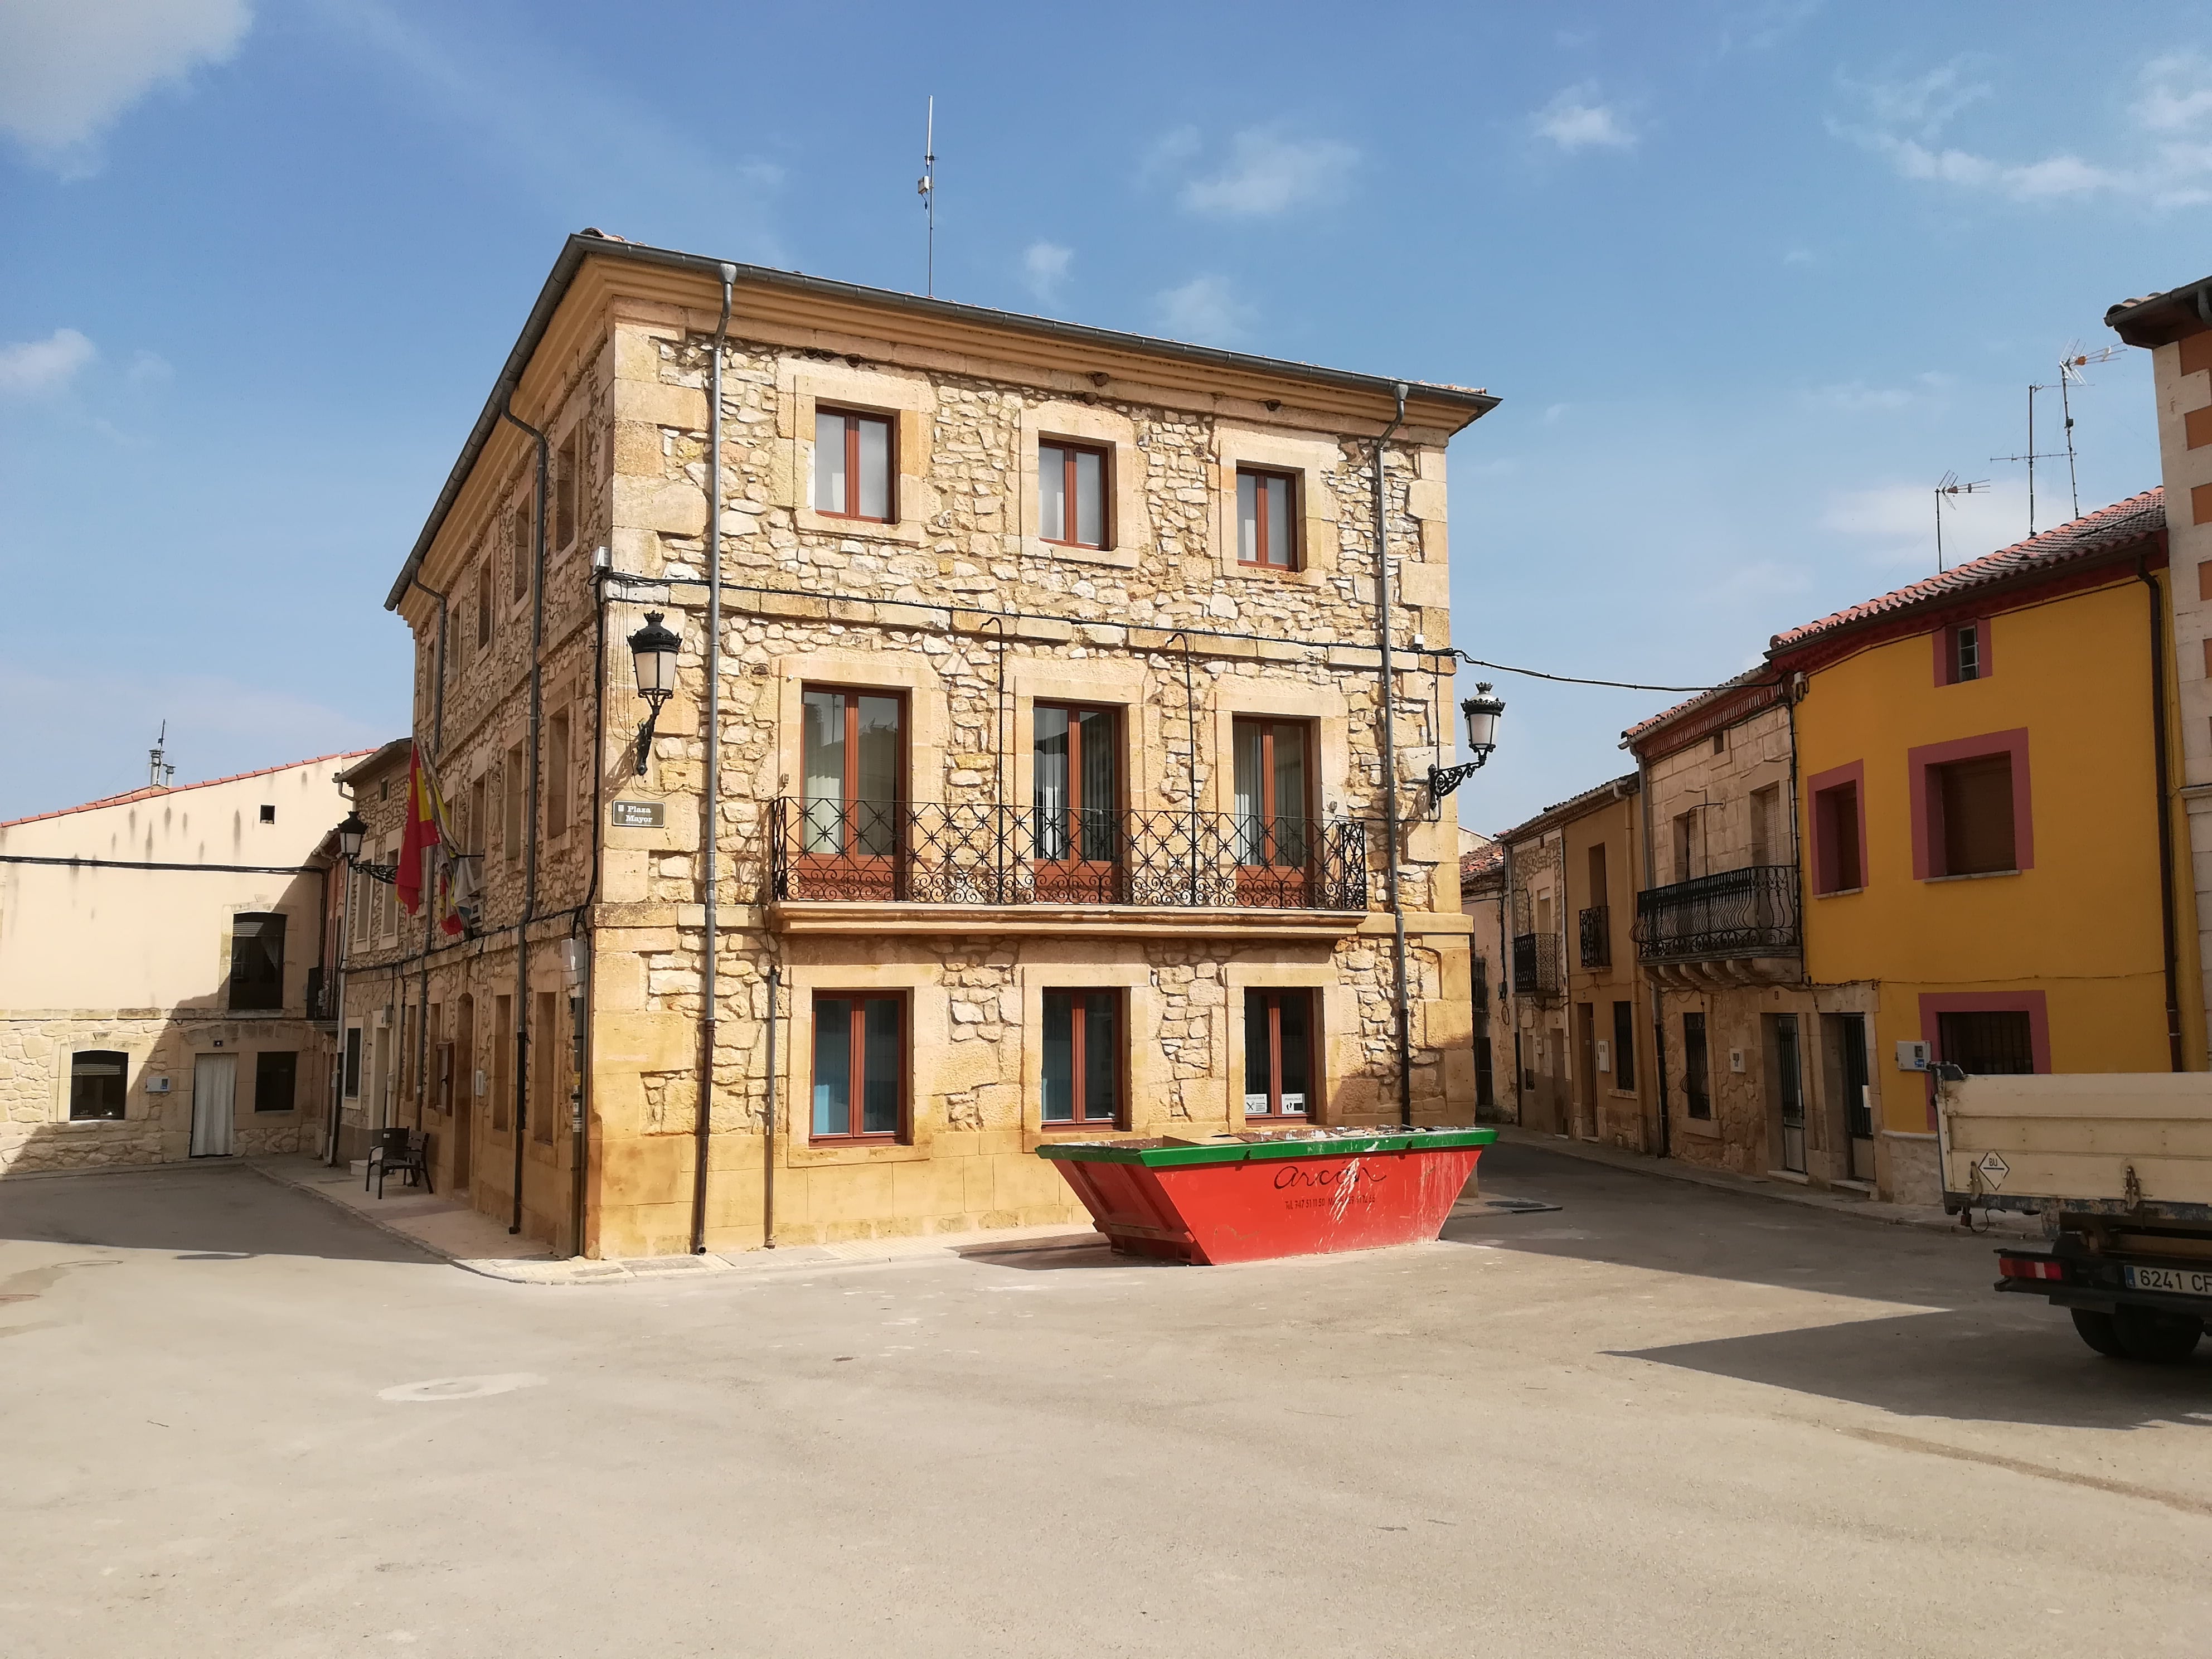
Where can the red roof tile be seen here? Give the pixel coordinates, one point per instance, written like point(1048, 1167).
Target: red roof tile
point(2108, 527)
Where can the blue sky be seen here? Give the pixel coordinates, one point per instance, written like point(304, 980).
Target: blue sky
point(1750, 276)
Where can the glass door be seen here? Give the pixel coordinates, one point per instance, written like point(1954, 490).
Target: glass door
point(1858, 1102)
point(1076, 795)
point(1272, 828)
point(854, 767)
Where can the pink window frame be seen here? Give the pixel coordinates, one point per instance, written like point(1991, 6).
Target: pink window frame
point(1823, 853)
point(2033, 1004)
point(1947, 654)
point(1927, 807)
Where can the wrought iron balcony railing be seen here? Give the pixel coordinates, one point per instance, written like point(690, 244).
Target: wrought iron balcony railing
point(1750, 911)
point(1536, 964)
point(960, 853)
point(1595, 927)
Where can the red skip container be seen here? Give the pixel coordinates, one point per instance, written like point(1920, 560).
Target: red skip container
point(1250, 1197)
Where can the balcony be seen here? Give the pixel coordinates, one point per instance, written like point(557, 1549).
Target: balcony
point(321, 1004)
point(1536, 965)
point(1595, 927)
point(1009, 859)
point(1733, 927)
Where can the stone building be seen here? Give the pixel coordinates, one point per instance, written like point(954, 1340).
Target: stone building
point(161, 991)
point(1025, 772)
point(1719, 931)
point(1482, 900)
point(1581, 1016)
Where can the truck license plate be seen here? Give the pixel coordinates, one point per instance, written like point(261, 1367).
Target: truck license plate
point(2180, 1280)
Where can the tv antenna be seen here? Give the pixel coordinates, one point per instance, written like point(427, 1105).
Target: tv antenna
point(2070, 374)
point(158, 770)
point(1947, 495)
point(926, 187)
point(2030, 457)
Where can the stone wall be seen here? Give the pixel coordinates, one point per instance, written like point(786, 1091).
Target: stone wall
point(958, 605)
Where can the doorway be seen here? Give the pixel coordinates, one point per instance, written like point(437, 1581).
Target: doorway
point(1858, 1092)
point(1789, 1089)
point(214, 1099)
point(464, 1092)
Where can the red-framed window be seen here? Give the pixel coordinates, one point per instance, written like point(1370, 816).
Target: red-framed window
point(853, 771)
point(859, 1077)
point(1971, 813)
point(1071, 486)
point(1279, 1047)
point(1963, 653)
point(1267, 519)
point(1075, 787)
point(1838, 799)
point(853, 475)
point(1082, 1052)
point(1272, 791)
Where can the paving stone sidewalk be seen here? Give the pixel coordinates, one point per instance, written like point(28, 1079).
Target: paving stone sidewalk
point(471, 1240)
point(1998, 1224)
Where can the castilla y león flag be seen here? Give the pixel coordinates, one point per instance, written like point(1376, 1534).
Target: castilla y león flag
point(426, 828)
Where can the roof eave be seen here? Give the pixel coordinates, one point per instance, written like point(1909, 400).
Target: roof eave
point(2163, 318)
point(579, 247)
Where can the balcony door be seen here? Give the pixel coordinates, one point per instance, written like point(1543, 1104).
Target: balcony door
point(854, 766)
point(1076, 794)
point(1274, 815)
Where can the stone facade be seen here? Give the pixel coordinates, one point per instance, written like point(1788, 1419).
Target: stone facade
point(129, 952)
point(1720, 777)
point(953, 605)
point(1587, 1068)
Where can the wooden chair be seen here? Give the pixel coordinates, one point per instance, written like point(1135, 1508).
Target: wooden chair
point(407, 1150)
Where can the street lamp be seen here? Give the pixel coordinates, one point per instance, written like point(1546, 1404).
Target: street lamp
point(653, 648)
point(351, 828)
point(1481, 712)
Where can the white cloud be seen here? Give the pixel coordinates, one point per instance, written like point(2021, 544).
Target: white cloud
point(1895, 524)
point(1169, 152)
point(69, 68)
point(150, 368)
point(1205, 309)
point(1798, 256)
point(1576, 120)
point(2177, 95)
point(1268, 172)
point(1554, 413)
point(1858, 397)
point(1903, 121)
point(217, 726)
point(1045, 267)
point(35, 366)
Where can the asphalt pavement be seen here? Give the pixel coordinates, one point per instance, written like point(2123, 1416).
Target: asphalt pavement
point(1660, 1419)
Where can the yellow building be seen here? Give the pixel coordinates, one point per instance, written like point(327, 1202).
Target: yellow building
point(1984, 780)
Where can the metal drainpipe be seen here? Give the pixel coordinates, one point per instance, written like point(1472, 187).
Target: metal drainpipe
point(438, 753)
point(586, 984)
point(1390, 765)
point(1658, 1002)
point(1505, 922)
point(712, 782)
point(768, 1120)
point(2166, 881)
point(530, 832)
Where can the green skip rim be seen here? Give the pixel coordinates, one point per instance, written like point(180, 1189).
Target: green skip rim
point(1165, 1152)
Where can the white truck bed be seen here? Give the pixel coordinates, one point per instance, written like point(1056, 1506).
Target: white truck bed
point(2114, 1143)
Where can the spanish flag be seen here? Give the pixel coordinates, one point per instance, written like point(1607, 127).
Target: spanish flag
point(426, 829)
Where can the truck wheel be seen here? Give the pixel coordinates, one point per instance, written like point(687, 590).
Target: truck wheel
point(2096, 1329)
point(2155, 1336)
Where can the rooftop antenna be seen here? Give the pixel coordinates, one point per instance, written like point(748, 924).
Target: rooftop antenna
point(158, 770)
point(2069, 374)
point(1950, 487)
point(927, 188)
point(2030, 457)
